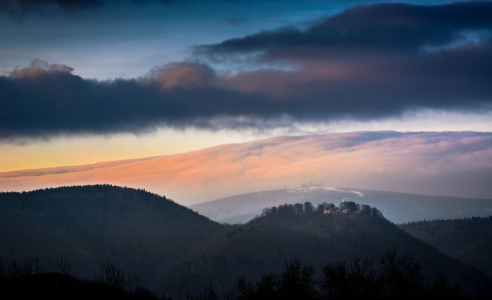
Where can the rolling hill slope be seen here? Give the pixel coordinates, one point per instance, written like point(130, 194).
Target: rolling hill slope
point(469, 240)
point(177, 250)
point(142, 232)
point(265, 243)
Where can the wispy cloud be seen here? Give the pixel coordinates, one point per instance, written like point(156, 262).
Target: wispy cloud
point(452, 163)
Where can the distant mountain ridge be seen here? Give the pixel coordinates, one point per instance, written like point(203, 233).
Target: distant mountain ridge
point(397, 207)
point(244, 207)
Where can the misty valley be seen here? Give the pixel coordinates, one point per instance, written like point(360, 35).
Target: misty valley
point(110, 242)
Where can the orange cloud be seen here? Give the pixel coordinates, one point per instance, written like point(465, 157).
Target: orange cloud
point(453, 163)
point(38, 68)
point(301, 82)
point(183, 75)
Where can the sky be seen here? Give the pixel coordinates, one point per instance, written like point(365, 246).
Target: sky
point(90, 81)
point(430, 163)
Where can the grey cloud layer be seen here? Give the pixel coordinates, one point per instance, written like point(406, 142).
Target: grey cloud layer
point(19, 8)
point(42, 100)
point(366, 63)
point(367, 29)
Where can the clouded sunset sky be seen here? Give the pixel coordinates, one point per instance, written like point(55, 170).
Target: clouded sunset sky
point(87, 81)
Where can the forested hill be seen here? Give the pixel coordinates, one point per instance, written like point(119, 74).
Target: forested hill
point(140, 231)
point(176, 250)
point(469, 239)
point(115, 201)
point(316, 235)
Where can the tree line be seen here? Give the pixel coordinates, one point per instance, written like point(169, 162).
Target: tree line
point(307, 209)
point(463, 221)
point(29, 279)
point(390, 276)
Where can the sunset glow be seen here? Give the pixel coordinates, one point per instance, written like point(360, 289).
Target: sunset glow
point(428, 163)
point(199, 101)
point(246, 149)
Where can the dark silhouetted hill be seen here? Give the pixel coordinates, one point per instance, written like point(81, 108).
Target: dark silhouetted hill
point(56, 286)
point(176, 250)
point(317, 238)
point(468, 240)
point(145, 233)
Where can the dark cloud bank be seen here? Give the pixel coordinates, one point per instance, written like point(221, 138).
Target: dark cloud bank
point(386, 27)
point(365, 63)
point(19, 8)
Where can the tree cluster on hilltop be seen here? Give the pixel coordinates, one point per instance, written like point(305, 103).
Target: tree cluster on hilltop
point(307, 209)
